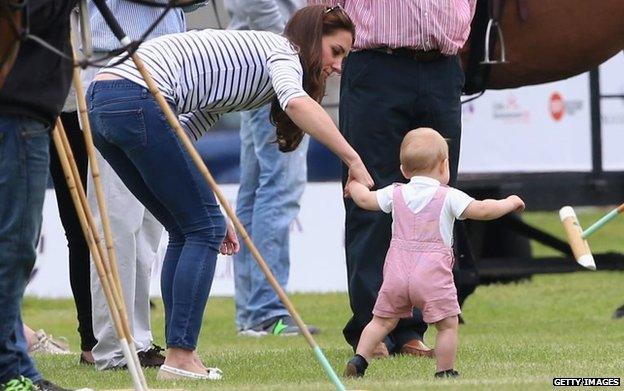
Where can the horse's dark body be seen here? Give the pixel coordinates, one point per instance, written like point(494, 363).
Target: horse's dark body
point(10, 23)
point(545, 40)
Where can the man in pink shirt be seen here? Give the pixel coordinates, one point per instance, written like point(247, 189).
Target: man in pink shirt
point(404, 73)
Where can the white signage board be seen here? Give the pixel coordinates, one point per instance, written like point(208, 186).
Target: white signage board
point(532, 129)
point(542, 128)
point(316, 242)
point(612, 109)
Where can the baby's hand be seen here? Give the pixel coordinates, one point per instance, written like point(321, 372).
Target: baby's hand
point(350, 186)
point(517, 203)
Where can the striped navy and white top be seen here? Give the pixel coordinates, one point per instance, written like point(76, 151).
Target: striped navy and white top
point(210, 72)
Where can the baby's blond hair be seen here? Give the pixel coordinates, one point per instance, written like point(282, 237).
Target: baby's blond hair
point(421, 150)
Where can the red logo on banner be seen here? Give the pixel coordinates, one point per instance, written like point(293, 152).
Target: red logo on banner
point(557, 106)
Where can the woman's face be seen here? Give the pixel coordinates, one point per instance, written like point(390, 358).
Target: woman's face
point(336, 46)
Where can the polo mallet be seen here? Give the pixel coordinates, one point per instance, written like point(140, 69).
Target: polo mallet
point(577, 238)
point(89, 231)
point(201, 166)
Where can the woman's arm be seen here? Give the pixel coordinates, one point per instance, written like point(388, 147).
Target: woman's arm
point(312, 119)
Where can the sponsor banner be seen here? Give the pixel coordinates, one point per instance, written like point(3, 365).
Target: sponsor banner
point(316, 245)
point(612, 113)
point(530, 129)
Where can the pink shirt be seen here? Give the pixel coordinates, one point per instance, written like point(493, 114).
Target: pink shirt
point(418, 24)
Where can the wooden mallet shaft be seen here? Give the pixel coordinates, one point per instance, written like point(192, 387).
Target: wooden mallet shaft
point(604, 220)
point(580, 247)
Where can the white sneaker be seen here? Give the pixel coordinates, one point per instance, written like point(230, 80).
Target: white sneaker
point(47, 344)
point(280, 325)
point(252, 333)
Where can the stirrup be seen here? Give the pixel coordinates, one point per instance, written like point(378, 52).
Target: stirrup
point(499, 34)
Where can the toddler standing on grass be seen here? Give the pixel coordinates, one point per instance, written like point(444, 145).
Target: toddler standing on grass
point(418, 266)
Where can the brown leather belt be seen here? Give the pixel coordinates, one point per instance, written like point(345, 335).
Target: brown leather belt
point(414, 54)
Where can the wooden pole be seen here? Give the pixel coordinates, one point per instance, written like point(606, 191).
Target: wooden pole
point(82, 209)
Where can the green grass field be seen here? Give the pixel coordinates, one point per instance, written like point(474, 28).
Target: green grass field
point(516, 336)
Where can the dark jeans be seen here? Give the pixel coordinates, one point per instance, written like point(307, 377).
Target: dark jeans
point(132, 134)
point(79, 263)
point(382, 97)
point(23, 175)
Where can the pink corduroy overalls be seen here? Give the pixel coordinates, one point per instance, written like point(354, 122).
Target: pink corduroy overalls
point(418, 266)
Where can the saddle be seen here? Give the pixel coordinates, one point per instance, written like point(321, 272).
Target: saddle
point(488, 13)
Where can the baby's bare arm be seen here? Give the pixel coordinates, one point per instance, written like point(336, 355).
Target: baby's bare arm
point(493, 209)
point(363, 196)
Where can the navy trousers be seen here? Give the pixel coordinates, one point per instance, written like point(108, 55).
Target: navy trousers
point(382, 97)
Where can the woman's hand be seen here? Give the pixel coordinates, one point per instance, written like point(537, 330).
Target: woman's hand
point(230, 242)
point(358, 173)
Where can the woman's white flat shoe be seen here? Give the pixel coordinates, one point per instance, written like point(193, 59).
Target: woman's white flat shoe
point(171, 373)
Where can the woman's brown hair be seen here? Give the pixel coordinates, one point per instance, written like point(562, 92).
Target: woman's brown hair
point(305, 30)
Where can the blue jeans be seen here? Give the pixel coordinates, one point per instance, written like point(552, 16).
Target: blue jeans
point(24, 157)
point(271, 186)
point(132, 134)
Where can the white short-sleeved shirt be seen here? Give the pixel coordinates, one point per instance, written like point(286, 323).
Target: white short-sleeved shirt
point(419, 192)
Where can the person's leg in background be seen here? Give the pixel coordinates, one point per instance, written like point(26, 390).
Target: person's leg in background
point(272, 184)
point(29, 335)
point(439, 106)
point(79, 262)
point(465, 273)
point(375, 114)
point(148, 240)
point(618, 313)
point(126, 217)
point(245, 199)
